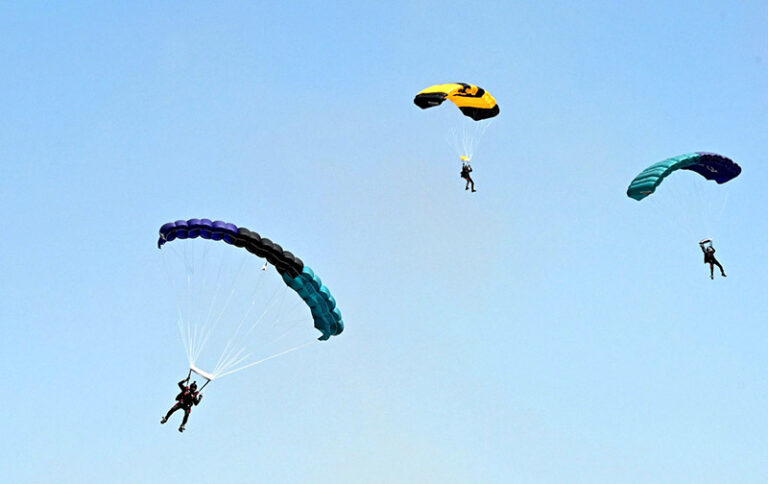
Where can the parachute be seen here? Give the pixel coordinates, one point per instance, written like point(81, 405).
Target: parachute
point(477, 105)
point(709, 165)
point(204, 277)
point(689, 204)
point(472, 100)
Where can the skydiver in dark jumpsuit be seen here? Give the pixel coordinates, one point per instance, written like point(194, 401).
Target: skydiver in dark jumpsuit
point(709, 258)
point(465, 171)
point(184, 400)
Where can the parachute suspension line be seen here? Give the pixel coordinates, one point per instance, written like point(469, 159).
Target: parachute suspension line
point(683, 195)
point(283, 334)
point(723, 205)
point(706, 207)
point(227, 358)
point(205, 264)
point(185, 336)
point(242, 321)
point(234, 359)
point(480, 129)
point(189, 260)
point(290, 350)
point(698, 226)
point(279, 303)
point(226, 355)
point(195, 331)
point(209, 313)
point(210, 329)
point(714, 205)
point(710, 201)
point(457, 140)
point(460, 141)
point(467, 143)
point(194, 305)
point(464, 138)
point(295, 308)
point(285, 331)
point(691, 207)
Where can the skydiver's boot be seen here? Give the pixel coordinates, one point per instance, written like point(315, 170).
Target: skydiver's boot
point(163, 420)
point(711, 276)
point(723, 274)
point(181, 429)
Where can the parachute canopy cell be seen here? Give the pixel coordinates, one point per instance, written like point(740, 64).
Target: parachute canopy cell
point(709, 165)
point(296, 275)
point(473, 101)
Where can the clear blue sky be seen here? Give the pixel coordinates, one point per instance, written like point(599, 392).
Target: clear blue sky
point(546, 329)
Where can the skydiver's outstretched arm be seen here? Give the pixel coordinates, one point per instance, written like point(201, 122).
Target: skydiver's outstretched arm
point(182, 382)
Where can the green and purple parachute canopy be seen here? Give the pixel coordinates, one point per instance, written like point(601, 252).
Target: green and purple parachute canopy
point(296, 275)
point(709, 165)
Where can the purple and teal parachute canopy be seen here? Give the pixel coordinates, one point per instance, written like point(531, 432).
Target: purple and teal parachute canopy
point(295, 274)
point(709, 165)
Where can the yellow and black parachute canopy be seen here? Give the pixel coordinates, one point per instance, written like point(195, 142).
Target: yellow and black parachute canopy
point(473, 101)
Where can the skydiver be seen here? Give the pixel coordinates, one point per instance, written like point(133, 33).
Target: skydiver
point(465, 171)
point(187, 397)
point(709, 258)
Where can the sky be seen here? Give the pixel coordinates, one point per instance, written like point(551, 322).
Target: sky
point(546, 329)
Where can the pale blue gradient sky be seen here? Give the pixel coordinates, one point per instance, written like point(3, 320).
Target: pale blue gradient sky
point(545, 330)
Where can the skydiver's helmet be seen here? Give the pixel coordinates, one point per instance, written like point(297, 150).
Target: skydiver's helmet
point(193, 386)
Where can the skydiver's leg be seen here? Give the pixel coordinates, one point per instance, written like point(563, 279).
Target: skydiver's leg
point(711, 271)
point(722, 272)
point(170, 412)
point(466, 187)
point(473, 184)
point(184, 420)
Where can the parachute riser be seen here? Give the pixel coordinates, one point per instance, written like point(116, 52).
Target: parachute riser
point(208, 376)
